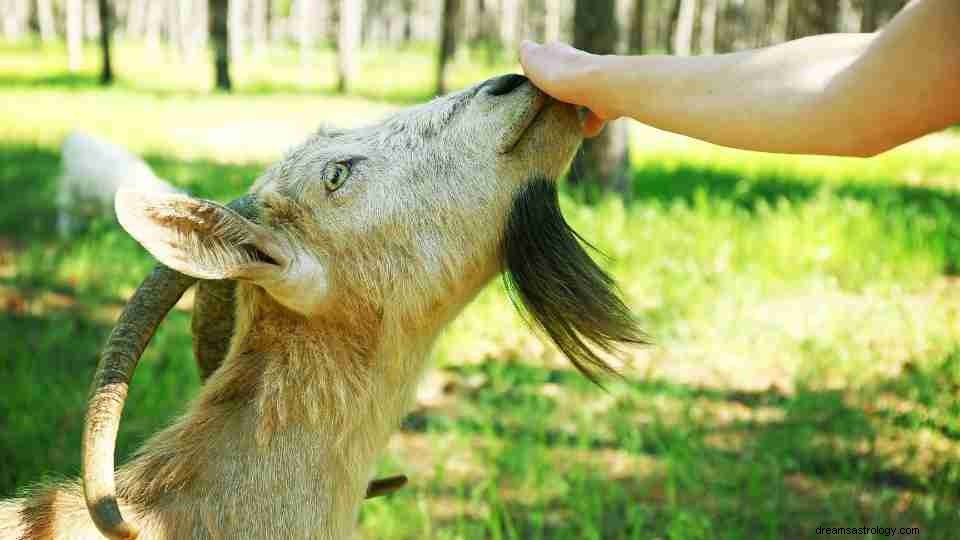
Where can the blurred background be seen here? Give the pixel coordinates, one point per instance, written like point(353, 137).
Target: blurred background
point(806, 365)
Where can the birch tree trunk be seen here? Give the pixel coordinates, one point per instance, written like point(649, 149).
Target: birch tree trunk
point(708, 26)
point(551, 26)
point(604, 159)
point(220, 38)
point(450, 18)
point(238, 27)
point(638, 19)
point(260, 14)
point(106, 31)
point(45, 21)
point(683, 34)
point(348, 41)
point(509, 22)
point(75, 34)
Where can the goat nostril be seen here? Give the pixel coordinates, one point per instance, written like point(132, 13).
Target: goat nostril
point(505, 84)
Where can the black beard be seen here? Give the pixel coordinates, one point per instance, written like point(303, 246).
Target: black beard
point(549, 275)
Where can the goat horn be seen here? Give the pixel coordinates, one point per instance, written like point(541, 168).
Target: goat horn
point(133, 331)
point(140, 318)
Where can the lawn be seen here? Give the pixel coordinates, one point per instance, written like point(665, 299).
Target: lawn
point(806, 364)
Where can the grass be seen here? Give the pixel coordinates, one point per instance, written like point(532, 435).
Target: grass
point(806, 369)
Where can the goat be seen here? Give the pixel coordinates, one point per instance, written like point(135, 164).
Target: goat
point(94, 170)
point(347, 258)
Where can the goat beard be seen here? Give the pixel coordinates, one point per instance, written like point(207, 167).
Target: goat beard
point(551, 278)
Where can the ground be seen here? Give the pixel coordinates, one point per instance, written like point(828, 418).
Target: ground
point(805, 369)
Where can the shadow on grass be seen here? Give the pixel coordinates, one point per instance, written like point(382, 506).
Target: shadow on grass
point(898, 203)
point(47, 366)
point(818, 462)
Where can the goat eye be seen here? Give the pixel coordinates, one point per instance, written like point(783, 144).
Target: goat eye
point(336, 176)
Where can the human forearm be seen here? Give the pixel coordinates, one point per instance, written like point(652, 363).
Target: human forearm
point(842, 94)
point(767, 99)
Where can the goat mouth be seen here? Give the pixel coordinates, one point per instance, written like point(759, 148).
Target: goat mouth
point(522, 122)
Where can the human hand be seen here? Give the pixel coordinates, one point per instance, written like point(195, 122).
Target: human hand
point(569, 75)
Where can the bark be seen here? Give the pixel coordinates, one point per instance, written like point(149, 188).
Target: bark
point(509, 22)
point(551, 26)
point(45, 21)
point(811, 17)
point(682, 43)
point(348, 41)
point(106, 31)
point(708, 26)
point(775, 19)
point(877, 12)
point(448, 41)
point(136, 18)
point(638, 20)
point(75, 34)
point(260, 13)
point(220, 38)
point(603, 160)
point(237, 13)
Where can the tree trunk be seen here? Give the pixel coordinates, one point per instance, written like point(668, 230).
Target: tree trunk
point(45, 21)
point(75, 34)
point(448, 41)
point(708, 26)
point(775, 21)
point(509, 21)
point(106, 31)
point(220, 38)
point(260, 13)
point(638, 20)
point(877, 12)
point(604, 159)
point(237, 13)
point(551, 26)
point(682, 44)
point(348, 41)
point(811, 17)
point(136, 18)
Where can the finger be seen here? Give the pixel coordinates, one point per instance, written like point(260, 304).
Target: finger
point(593, 125)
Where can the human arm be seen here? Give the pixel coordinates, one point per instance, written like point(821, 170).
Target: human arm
point(837, 94)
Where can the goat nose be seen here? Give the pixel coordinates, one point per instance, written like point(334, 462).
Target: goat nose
point(505, 84)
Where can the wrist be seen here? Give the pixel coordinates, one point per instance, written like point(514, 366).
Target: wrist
point(604, 79)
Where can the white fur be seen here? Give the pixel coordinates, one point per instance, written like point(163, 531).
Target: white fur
point(94, 169)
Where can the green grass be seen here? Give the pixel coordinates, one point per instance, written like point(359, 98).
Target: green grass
point(806, 369)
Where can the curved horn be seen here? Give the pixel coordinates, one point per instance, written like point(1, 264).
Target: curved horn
point(140, 318)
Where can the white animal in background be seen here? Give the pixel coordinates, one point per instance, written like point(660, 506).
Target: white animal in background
point(94, 169)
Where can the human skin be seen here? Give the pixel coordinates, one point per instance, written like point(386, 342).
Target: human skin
point(832, 94)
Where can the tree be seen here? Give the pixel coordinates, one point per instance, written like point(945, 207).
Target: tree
point(604, 159)
point(220, 38)
point(637, 21)
point(682, 42)
point(106, 31)
point(348, 40)
point(876, 12)
point(74, 34)
point(448, 40)
point(811, 17)
point(45, 21)
point(708, 26)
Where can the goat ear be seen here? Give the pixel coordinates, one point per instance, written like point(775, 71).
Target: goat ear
point(200, 238)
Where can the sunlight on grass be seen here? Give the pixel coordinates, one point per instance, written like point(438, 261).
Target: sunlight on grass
point(805, 313)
